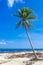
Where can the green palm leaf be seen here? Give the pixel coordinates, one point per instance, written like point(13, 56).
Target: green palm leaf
point(31, 17)
point(28, 24)
point(24, 9)
point(18, 24)
point(24, 14)
point(29, 12)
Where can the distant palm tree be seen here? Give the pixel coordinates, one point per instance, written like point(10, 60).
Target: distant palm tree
point(25, 16)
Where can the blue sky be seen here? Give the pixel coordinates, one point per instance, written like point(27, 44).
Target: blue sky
point(10, 37)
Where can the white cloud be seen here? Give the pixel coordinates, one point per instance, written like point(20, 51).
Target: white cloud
point(37, 42)
point(10, 3)
point(2, 42)
point(21, 1)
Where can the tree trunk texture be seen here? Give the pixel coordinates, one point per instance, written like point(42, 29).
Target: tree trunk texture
point(36, 57)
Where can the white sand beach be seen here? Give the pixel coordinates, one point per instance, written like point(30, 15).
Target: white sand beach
point(19, 58)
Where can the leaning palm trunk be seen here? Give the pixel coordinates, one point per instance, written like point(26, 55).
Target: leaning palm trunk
point(26, 28)
point(31, 45)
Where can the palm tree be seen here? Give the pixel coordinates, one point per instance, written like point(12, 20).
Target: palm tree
point(24, 14)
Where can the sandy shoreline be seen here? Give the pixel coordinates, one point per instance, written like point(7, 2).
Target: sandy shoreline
point(19, 58)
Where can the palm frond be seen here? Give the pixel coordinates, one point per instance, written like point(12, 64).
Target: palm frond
point(24, 14)
point(19, 12)
point(31, 17)
point(18, 24)
point(15, 15)
point(28, 24)
point(24, 9)
point(29, 12)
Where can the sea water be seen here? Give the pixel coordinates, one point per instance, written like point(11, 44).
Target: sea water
point(17, 50)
